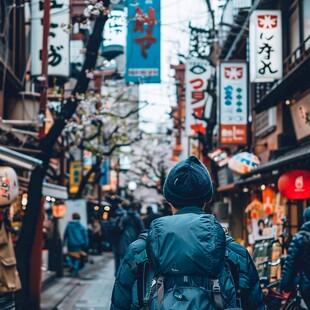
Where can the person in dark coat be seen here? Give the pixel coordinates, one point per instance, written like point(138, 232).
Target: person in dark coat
point(76, 239)
point(130, 226)
point(190, 242)
point(133, 225)
point(150, 216)
point(251, 294)
point(298, 257)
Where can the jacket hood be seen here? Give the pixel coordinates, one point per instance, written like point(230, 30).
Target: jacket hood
point(74, 223)
point(229, 239)
point(306, 226)
point(187, 244)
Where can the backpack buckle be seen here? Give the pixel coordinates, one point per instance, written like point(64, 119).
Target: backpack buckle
point(216, 286)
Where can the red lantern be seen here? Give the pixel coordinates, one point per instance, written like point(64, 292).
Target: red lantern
point(295, 184)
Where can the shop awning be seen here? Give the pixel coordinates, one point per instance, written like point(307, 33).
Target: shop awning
point(299, 156)
point(18, 159)
point(49, 189)
point(56, 191)
point(296, 156)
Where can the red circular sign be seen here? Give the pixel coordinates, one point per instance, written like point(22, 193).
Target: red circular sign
point(295, 184)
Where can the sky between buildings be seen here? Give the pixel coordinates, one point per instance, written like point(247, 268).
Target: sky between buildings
point(175, 18)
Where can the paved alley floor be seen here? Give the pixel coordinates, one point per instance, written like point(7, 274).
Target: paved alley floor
point(92, 291)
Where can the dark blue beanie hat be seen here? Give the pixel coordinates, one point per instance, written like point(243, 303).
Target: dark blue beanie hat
point(307, 214)
point(188, 184)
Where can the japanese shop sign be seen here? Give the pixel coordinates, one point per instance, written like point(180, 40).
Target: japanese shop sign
point(233, 103)
point(58, 41)
point(198, 101)
point(114, 34)
point(265, 46)
point(143, 42)
point(268, 199)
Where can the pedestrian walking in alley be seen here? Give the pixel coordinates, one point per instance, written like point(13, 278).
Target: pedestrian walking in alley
point(150, 216)
point(186, 252)
point(9, 278)
point(76, 239)
point(95, 237)
point(298, 261)
point(125, 227)
point(247, 279)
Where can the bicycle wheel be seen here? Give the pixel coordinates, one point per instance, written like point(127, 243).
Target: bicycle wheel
point(292, 304)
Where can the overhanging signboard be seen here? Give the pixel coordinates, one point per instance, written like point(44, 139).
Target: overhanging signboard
point(58, 40)
point(198, 101)
point(114, 34)
point(266, 63)
point(143, 42)
point(233, 103)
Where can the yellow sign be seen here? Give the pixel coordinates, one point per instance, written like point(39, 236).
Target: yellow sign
point(75, 176)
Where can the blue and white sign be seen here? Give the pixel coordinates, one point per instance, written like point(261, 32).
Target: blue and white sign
point(143, 42)
point(114, 34)
point(233, 101)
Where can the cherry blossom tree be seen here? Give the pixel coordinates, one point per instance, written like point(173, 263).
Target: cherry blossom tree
point(150, 162)
point(103, 124)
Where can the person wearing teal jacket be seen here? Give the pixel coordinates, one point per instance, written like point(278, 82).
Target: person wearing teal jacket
point(76, 239)
point(190, 242)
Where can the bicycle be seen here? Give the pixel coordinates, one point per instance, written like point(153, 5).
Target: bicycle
point(275, 298)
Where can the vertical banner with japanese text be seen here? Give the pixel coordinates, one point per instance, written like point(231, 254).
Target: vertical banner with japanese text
point(143, 42)
point(233, 99)
point(58, 40)
point(266, 63)
point(198, 101)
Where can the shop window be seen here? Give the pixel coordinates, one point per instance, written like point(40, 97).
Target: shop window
point(306, 21)
point(294, 29)
point(265, 122)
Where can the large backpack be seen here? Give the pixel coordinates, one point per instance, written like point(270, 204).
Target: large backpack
point(183, 292)
point(306, 251)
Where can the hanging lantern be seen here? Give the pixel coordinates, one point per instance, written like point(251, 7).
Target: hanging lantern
point(59, 210)
point(8, 186)
point(243, 162)
point(295, 184)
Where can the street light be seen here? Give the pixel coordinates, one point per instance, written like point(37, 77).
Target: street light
point(132, 186)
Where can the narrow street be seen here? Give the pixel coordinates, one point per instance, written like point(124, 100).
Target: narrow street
point(92, 291)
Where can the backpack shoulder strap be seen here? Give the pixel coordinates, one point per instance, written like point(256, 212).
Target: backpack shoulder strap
point(234, 267)
point(216, 290)
point(145, 274)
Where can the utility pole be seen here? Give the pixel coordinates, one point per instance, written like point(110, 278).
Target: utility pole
point(35, 283)
point(44, 77)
